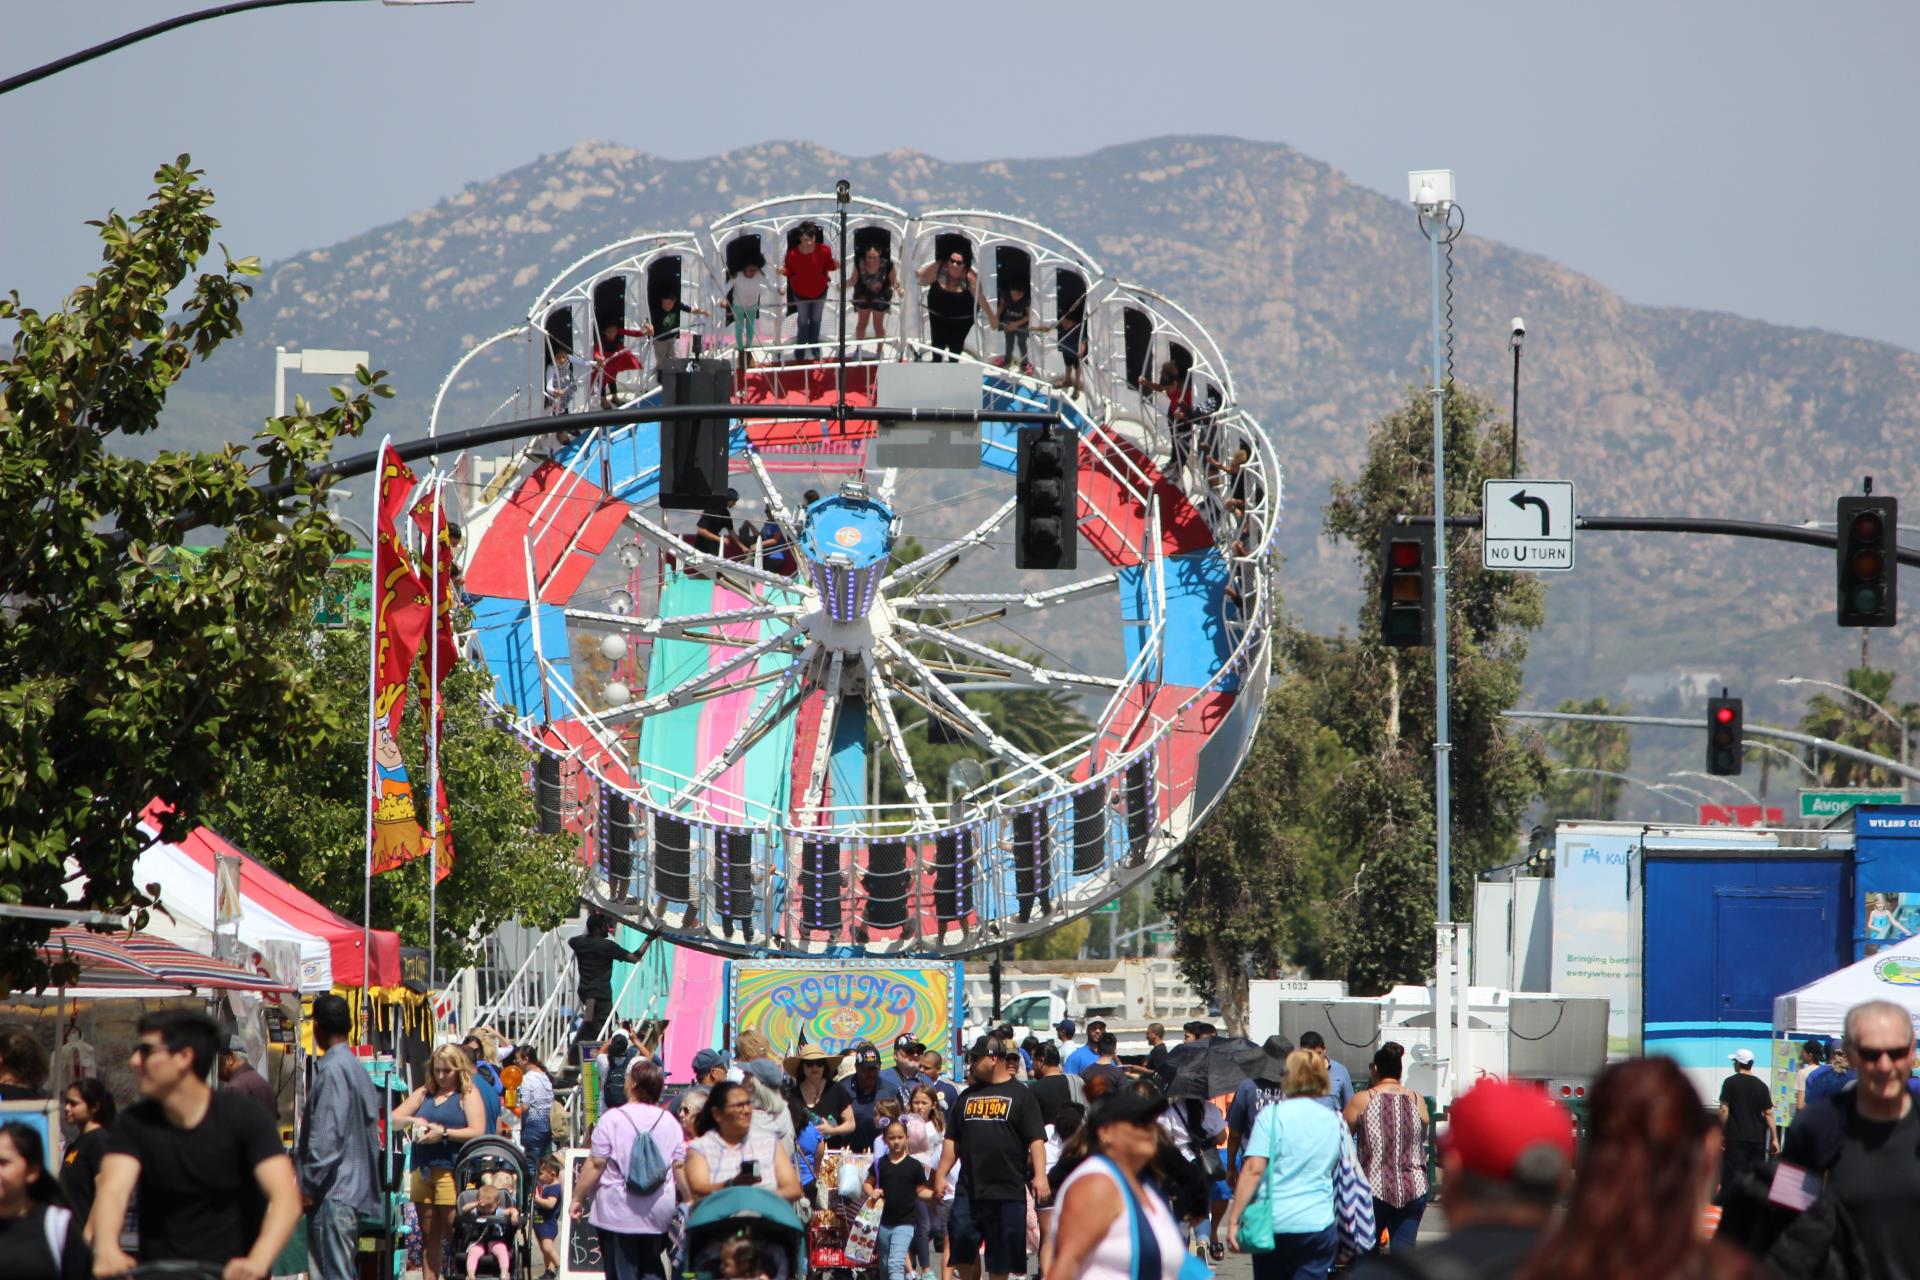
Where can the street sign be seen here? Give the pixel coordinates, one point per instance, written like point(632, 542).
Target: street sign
point(1159, 936)
point(1527, 525)
point(1831, 804)
point(1108, 908)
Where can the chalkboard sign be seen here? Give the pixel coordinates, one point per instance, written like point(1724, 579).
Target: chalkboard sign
point(579, 1242)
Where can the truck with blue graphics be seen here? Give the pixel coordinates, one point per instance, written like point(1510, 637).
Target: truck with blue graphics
point(1692, 931)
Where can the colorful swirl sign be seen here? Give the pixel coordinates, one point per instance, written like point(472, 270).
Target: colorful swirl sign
point(837, 1003)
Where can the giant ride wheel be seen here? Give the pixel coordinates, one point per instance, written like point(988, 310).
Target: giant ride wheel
point(729, 728)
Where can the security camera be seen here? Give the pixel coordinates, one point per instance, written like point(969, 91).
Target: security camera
point(1431, 190)
point(1519, 332)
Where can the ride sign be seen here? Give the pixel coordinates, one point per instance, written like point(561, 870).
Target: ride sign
point(1526, 525)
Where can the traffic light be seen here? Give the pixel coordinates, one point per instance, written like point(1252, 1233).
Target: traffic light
point(1869, 564)
point(1726, 726)
point(1406, 586)
point(1046, 499)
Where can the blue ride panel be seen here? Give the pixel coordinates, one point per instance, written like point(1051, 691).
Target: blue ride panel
point(847, 769)
point(670, 740)
point(504, 631)
point(769, 762)
point(1197, 645)
point(627, 458)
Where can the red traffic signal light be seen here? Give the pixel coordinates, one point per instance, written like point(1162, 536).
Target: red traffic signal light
point(1406, 587)
point(1725, 728)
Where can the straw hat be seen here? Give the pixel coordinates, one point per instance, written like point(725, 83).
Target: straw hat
point(812, 1053)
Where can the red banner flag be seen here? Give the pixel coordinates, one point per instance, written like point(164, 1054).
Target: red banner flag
point(430, 517)
point(402, 612)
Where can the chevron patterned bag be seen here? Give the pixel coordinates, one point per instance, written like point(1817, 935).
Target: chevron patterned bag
point(1353, 1201)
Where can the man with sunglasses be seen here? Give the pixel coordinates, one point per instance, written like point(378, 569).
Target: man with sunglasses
point(1865, 1142)
point(216, 1186)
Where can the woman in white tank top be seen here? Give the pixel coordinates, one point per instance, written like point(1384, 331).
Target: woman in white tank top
point(1094, 1227)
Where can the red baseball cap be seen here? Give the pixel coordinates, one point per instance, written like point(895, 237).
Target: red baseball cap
point(1496, 1121)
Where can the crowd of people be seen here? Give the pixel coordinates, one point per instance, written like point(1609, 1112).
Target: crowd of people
point(1045, 1157)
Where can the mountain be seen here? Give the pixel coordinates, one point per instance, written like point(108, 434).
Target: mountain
point(1317, 289)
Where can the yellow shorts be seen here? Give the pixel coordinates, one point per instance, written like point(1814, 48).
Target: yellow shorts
point(432, 1186)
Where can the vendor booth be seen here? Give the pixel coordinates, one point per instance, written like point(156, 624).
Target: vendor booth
point(324, 950)
point(1819, 1009)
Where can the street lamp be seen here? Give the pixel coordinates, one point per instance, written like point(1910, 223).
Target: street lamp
point(1857, 696)
point(1695, 773)
point(1758, 745)
point(318, 360)
point(1658, 788)
point(1519, 336)
point(173, 24)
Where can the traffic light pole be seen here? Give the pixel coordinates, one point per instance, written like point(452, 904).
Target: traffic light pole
point(1686, 524)
point(1752, 730)
point(1445, 1049)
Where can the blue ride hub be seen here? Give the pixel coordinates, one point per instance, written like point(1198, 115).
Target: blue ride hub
point(845, 542)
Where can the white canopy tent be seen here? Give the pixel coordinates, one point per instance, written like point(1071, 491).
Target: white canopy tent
point(1820, 1007)
point(187, 892)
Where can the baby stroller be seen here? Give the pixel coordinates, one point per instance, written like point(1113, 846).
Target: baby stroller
point(752, 1213)
point(831, 1224)
point(492, 1161)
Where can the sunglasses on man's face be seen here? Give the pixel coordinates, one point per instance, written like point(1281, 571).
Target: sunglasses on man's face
point(1898, 1054)
point(147, 1048)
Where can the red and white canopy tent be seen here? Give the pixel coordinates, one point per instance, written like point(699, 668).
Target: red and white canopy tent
point(269, 910)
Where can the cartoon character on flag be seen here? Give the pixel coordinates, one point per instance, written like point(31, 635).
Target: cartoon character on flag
point(430, 516)
point(402, 613)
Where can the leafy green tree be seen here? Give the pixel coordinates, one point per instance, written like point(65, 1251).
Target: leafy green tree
point(1496, 769)
point(1579, 745)
point(307, 817)
point(1063, 943)
point(1853, 723)
point(129, 671)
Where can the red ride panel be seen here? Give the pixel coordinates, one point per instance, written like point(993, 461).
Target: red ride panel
point(1111, 516)
point(565, 506)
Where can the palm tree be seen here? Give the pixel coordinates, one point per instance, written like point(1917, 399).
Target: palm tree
point(1584, 745)
point(1853, 723)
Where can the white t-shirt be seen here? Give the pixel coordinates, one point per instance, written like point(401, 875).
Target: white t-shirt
point(1112, 1258)
point(748, 291)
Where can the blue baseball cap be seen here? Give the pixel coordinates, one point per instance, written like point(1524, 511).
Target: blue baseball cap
point(1064, 1026)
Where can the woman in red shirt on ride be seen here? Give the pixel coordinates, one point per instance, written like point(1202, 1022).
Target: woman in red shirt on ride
point(808, 268)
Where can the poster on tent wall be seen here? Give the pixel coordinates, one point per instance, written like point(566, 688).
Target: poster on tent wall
point(1596, 872)
point(836, 1003)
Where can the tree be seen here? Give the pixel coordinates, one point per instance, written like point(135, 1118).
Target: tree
point(1232, 887)
point(1853, 723)
point(1323, 849)
point(128, 670)
point(1581, 745)
point(1063, 943)
point(1496, 769)
point(307, 817)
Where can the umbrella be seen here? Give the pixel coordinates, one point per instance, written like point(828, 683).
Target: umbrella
point(1208, 1068)
point(142, 960)
point(1269, 1061)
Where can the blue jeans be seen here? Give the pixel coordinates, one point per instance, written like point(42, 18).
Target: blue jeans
point(895, 1244)
point(807, 313)
point(333, 1241)
point(537, 1141)
point(1298, 1255)
point(634, 1257)
point(1402, 1225)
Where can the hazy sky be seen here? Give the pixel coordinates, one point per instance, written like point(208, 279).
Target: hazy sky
point(1753, 157)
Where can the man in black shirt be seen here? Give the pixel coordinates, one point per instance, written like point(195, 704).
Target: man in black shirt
point(997, 1136)
point(1507, 1156)
point(1746, 1119)
point(1866, 1141)
point(1052, 1087)
point(215, 1184)
point(715, 525)
point(594, 953)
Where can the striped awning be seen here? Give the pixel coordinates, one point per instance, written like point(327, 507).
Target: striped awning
point(140, 960)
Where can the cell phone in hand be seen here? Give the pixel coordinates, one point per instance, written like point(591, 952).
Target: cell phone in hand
point(749, 1174)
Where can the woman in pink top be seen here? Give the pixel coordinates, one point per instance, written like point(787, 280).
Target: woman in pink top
point(1390, 1125)
point(633, 1227)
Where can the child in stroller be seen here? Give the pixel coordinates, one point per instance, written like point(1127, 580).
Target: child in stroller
point(483, 1228)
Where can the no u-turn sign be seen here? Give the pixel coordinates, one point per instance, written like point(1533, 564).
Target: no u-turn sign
point(1526, 525)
